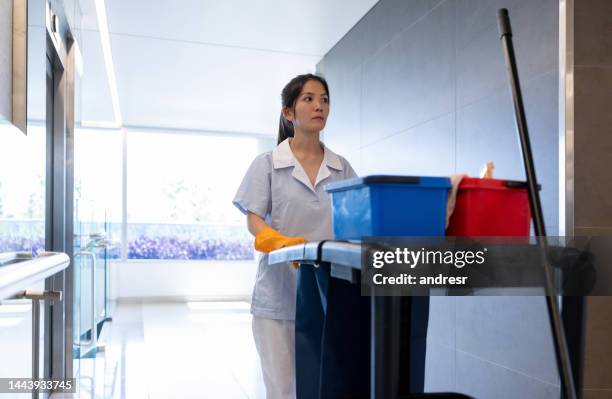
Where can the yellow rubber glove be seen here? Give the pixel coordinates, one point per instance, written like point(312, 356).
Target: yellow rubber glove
point(268, 240)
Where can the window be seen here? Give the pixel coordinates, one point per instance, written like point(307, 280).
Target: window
point(22, 189)
point(98, 175)
point(179, 199)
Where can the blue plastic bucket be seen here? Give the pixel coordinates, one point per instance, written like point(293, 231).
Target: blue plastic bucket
point(388, 206)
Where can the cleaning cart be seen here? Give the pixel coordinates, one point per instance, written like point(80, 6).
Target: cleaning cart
point(342, 258)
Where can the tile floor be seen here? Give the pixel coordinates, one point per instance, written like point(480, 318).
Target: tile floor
point(174, 350)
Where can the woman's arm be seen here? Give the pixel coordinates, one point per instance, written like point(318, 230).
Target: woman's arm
point(255, 223)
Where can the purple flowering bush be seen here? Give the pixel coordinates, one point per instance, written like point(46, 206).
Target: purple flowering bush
point(22, 244)
point(145, 241)
point(171, 247)
point(189, 241)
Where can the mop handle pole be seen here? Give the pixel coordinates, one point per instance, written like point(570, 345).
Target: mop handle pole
point(568, 390)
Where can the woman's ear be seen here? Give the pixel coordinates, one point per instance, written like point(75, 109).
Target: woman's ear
point(288, 114)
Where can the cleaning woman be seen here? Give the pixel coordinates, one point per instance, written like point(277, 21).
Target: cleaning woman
point(283, 197)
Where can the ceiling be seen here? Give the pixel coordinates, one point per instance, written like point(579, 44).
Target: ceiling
point(207, 64)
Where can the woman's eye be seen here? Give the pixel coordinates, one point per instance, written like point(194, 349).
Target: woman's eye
point(307, 98)
point(325, 100)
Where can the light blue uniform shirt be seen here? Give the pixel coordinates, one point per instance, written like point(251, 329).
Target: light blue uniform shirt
point(277, 188)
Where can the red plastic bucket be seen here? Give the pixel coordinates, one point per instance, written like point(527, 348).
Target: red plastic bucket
point(490, 207)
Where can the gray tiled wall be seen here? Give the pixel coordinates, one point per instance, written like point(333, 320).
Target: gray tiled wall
point(592, 155)
point(420, 88)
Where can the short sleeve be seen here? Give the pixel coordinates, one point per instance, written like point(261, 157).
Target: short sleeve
point(349, 173)
point(253, 194)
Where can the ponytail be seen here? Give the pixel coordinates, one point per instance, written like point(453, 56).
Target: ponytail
point(285, 129)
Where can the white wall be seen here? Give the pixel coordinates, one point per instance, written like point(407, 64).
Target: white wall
point(182, 280)
point(6, 58)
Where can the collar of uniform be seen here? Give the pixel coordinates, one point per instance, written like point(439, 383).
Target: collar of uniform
point(282, 157)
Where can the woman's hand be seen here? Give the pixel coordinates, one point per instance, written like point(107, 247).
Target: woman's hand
point(266, 238)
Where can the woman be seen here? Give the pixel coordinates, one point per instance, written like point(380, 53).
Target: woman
point(284, 199)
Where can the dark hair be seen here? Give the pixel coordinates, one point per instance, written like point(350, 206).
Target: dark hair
point(289, 96)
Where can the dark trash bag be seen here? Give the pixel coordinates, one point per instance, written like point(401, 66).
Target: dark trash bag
point(309, 319)
point(332, 338)
point(345, 353)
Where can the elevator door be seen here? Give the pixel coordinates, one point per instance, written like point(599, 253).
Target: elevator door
point(58, 218)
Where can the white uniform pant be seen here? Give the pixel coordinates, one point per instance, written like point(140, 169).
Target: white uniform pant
point(275, 342)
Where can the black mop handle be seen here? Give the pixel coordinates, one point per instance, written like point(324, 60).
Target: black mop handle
point(534, 197)
point(563, 360)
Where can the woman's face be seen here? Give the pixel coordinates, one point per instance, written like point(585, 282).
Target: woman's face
point(311, 108)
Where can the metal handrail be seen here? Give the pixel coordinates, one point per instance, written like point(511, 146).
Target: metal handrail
point(36, 297)
point(20, 270)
